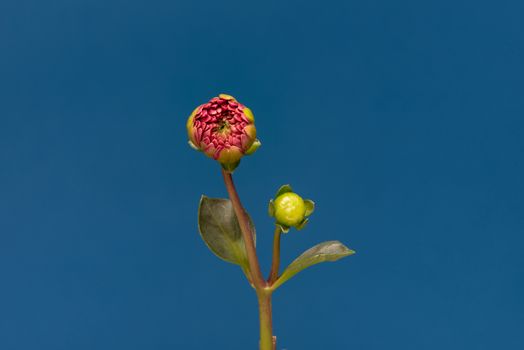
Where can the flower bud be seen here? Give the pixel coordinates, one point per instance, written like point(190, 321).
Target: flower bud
point(289, 209)
point(224, 129)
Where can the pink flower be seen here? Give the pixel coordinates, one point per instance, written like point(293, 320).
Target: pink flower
point(224, 130)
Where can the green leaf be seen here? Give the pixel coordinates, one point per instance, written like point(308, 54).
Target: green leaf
point(283, 189)
point(219, 228)
point(326, 251)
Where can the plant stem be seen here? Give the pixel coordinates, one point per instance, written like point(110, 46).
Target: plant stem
point(247, 234)
point(273, 275)
point(267, 341)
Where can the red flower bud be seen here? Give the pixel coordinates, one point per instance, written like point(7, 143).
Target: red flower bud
point(224, 130)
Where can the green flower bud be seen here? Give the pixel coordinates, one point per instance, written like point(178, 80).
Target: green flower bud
point(289, 209)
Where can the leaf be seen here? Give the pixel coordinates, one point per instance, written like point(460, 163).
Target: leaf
point(219, 228)
point(326, 251)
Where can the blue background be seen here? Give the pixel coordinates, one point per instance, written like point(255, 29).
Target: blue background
point(403, 120)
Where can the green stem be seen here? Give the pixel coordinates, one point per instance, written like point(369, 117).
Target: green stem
point(273, 275)
point(267, 341)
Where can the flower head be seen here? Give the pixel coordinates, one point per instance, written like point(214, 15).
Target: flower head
point(289, 209)
point(224, 130)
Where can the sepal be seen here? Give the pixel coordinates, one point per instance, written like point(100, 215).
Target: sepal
point(283, 228)
point(230, 167)
point(256, 144)
point(302, 224)
point(310, 206)
point(271, 208)
point(192, 145)
point(283, 189)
